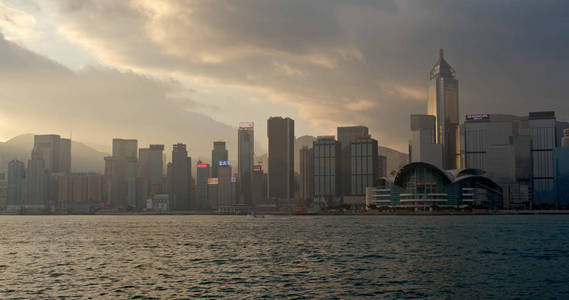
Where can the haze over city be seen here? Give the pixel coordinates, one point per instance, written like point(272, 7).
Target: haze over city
point(159, 70)
point(294, 149)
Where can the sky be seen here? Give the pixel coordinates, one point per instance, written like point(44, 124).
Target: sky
point(189, 71)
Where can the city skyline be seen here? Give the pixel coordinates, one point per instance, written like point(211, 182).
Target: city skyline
point(353, 79)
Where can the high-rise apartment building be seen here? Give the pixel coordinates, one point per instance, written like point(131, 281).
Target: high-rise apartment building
point(326, 171)
point(346, 135)
point(280, 132)
point(219, 153)
point(16, 185)
point(180, 178)
point(422, 143)
point(443, 104)
point(245, 156)
point(543, 131)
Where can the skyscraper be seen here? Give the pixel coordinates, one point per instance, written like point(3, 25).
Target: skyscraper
point(364, 156)
point(219, 153)
point(443, 104)
point(202, 175)
point(125, 148)
point(180, 178)
point(326, 169)
point(245, 156)
point(37, 180)
point(280, 132)
point(121, 171)
point(16, 185)
point(151, 163)
point(56, 152)
point(346, 135)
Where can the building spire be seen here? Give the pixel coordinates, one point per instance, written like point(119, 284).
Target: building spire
point(441, 53)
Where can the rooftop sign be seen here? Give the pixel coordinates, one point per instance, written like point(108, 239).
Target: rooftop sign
point(477, 117)
point(246, 124)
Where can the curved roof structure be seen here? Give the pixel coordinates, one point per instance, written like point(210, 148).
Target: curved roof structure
point(405, 170)
point(470, 171)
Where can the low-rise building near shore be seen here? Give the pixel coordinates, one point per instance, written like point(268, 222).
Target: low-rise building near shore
point(422, 185)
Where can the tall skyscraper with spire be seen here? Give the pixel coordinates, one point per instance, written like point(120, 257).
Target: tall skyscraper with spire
point(443, 104)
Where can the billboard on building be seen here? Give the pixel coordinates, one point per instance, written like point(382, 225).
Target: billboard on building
point(233, 179)
point(257, 168)
point(203, 166)
point(212, 181)
point(224, 163)
point(246, 124)
point(477, 117)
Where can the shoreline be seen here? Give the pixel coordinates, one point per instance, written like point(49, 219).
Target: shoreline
point(397, 213)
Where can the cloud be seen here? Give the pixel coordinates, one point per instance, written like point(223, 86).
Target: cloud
point(313, 55)
point(98, 104)
point(17, 25)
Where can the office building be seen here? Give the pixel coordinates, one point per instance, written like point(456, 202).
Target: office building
point(121, 172)
point(346, 135)
point(306, 176)
point(542, 126)
point(561, 174)
point(125, 148)
point(245, 156)
point(382, 166)
point(500, 145)
point(364, 164)
point(224, 189)
point(565, 138)
point(219, 153)
point(151, 164)
point(16, 185)
point(259, 189)
point(443, 104)
point(280, 132)
point(326, 171)
point(55, 151)
point(422, 143)
point(37, 181)
point(202, 175)
point(180, 178)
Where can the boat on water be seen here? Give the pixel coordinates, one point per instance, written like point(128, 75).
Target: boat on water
point(254, 216)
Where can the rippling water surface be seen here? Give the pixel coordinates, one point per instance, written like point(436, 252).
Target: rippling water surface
point(294, 257)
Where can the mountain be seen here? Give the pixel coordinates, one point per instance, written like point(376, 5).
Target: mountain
point(83, 157)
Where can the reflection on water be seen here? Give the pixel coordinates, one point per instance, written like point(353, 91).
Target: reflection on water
point(233, 256)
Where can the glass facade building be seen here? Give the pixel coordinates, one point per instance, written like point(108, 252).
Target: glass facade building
point(364, 164)
point(326, 170)
point(543, 132)
point(443, 104)
point(245, 156)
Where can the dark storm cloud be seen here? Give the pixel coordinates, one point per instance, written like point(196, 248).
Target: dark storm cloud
point(342, 62)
